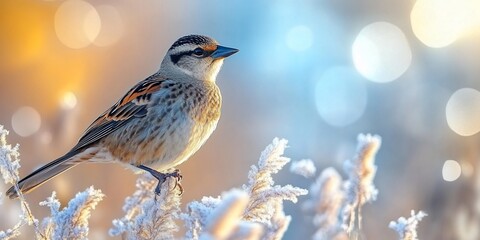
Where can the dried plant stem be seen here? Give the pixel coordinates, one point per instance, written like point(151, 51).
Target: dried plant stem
point(359, 188)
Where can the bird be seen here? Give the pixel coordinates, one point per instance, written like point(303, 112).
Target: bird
point(158, 124)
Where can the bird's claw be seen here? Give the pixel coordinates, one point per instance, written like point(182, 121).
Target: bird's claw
point(162, 177)
point(178, 178)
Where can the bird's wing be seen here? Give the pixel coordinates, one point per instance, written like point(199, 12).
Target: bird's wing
point(132, 105)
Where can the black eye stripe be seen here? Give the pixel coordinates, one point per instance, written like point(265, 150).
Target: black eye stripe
point(206, 53)
point(176, 57)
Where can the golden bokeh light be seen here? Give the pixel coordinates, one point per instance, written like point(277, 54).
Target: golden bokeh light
point(26, 121)
point(112, 26)
point(69, 100)
point(92, 24)
point(77, 23)
point(440, 23)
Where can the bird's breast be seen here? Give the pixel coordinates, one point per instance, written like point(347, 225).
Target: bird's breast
point(178, 123)
point(204, 103)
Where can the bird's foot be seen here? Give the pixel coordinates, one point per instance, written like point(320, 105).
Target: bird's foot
point(162, 177)
point(178, 178)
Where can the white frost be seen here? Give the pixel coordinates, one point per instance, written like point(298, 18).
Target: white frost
point(304, 167)
point(407, 228)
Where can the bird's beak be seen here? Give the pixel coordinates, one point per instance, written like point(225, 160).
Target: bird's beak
point(223, 52)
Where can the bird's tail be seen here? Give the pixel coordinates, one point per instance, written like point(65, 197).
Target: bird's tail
point(43, 174)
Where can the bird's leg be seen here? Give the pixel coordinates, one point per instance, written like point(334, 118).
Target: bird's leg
point(161, 177)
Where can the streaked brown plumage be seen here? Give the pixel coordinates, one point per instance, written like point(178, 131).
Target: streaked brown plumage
point(159, 123)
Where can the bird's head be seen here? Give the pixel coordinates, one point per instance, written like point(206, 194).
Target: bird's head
point(197, 56)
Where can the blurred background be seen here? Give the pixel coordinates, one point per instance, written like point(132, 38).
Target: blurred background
point(314, 72)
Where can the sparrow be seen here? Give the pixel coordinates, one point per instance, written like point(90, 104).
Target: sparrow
point(158, 124)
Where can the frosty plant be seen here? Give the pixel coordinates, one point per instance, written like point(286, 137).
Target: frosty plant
point(148, 216)
point(359, 187)
point(9, 165)
point(336, 202)
point(254, 211)
point(407, 228)
point(72, 221)
point(326, 200)
point(304, 167)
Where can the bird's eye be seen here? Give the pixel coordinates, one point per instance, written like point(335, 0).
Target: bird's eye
point(199, 52)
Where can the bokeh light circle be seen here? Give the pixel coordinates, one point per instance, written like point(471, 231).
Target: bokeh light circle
point(26, 121)
point(69, 101)
point(299, 38)
point(92, 24)
point(451, 170)
point(112, 26)
point(463, 111)
point(381, 52)
point(439, 23)
point(77, 23)
point(340, 96)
